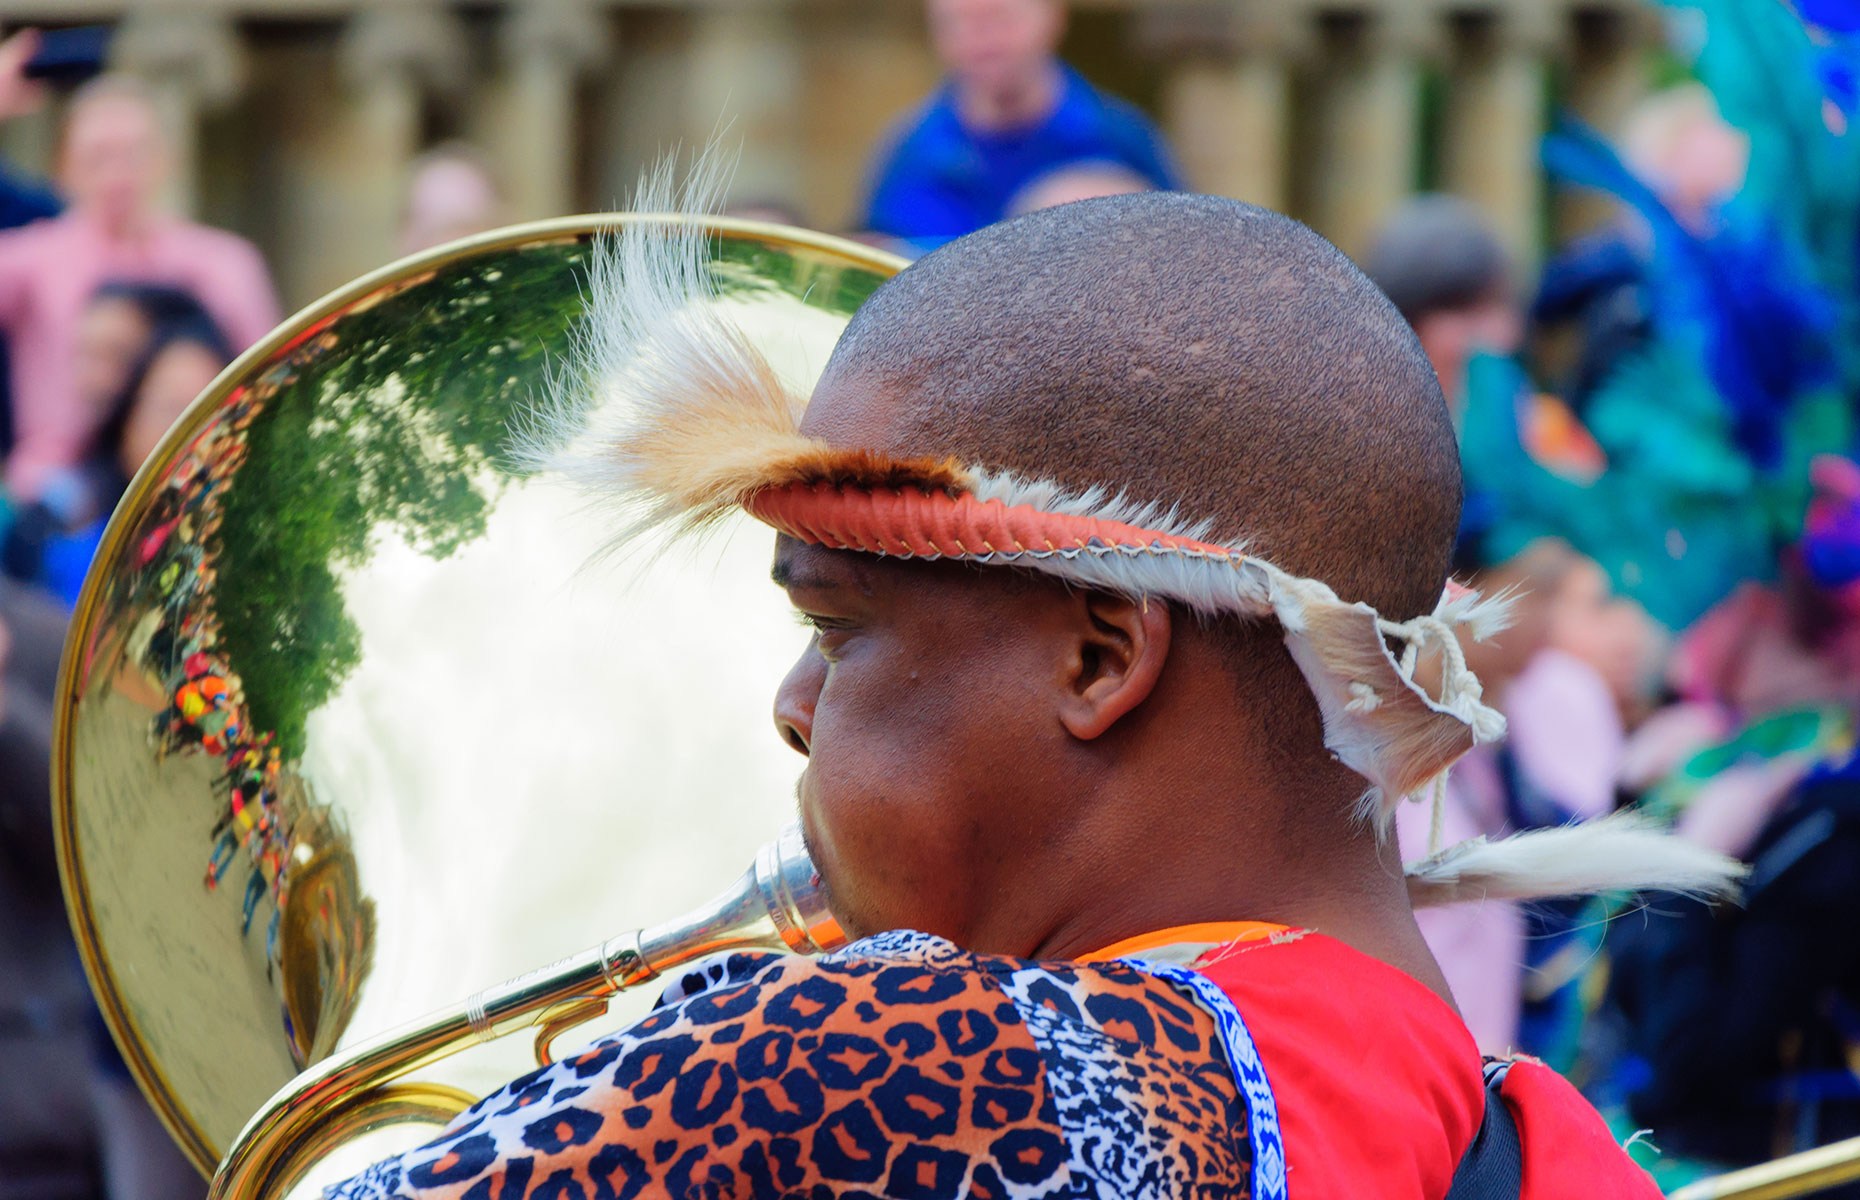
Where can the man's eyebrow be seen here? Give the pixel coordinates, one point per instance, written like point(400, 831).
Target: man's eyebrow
point(791, 575)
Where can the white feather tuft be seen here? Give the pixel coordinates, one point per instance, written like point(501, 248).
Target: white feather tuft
point(665, 411)
point(1483, 616)
point(1621, 853)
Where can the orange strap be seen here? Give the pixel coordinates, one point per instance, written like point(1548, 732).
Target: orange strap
point(1213, 933)
point(909, 522)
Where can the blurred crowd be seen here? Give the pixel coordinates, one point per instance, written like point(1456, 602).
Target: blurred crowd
point(1658, 428)
point(1657, 436)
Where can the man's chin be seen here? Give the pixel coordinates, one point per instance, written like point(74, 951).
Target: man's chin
point(823, 872)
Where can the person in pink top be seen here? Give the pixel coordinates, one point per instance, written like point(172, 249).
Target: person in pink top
point(112, 164)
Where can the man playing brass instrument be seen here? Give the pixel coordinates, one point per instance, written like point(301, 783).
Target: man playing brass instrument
point(1094, 513)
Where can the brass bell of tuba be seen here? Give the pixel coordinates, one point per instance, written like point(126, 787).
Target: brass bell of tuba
point(350, 731)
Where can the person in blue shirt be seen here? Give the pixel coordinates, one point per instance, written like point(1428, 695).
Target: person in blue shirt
point(1009, 113)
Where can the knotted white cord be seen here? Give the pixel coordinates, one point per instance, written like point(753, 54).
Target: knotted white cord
point(1415, 635)
point(1460, 689)
point(1458, 685)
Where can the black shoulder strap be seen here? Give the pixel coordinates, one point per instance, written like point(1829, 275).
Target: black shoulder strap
point(1493, 1168)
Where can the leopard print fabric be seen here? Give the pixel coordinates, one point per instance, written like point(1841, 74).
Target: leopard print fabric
point(900, 1066)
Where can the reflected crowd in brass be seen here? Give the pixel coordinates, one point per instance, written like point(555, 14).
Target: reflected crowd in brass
point(350, 729)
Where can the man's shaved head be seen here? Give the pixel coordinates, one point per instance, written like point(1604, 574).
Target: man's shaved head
point(1186, 350)
point(1013, 763)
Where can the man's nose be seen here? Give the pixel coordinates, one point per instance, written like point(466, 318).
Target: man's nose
point(795, 700)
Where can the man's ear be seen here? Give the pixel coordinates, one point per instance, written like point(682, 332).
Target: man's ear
point(1121, 648)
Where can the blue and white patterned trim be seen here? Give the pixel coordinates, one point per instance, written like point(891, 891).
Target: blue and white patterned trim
point(1249, 1072)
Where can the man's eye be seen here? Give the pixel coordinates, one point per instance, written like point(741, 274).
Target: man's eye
point(830, 633)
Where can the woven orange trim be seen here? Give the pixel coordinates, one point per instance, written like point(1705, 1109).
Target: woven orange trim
point(912, 523)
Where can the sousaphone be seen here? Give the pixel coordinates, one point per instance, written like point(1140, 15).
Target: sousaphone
point(356, 724)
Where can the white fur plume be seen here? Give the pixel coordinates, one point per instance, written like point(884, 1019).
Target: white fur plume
point(666, 409)
point(1484, 617)
point(1620, 853)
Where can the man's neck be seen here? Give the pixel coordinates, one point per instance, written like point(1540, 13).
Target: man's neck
point(1017, 104)
point(1342, 881)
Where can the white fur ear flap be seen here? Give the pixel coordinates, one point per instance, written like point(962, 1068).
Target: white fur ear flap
point(1620, 853)
point(1377, 720)
point(666, 409)
point(1377, 723)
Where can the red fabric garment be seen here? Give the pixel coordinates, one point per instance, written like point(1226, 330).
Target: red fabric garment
point(1585, 1162)
point(1379, 1086)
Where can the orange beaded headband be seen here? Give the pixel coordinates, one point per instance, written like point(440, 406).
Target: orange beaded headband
point(909, 522)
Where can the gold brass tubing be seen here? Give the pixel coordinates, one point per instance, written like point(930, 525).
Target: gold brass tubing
point(284, 1137)
point(1801, 1174)
point(776, 905)
point(556, 1024)
point(397, 1104)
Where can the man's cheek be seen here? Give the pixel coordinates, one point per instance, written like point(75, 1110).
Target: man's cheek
point(842, 785)
point(860, 845)
point(873, 794)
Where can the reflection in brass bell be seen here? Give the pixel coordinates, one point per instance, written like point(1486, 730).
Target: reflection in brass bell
point(356, 721)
